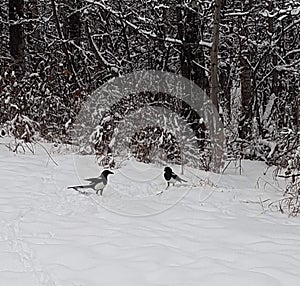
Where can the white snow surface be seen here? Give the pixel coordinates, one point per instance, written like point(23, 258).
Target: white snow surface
point(214, 230)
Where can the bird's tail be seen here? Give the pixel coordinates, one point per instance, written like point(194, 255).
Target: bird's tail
point(78, 187)
point(181, 180)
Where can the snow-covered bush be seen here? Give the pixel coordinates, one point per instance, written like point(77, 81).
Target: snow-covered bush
point(153, 127)
point(39, 103)
point(157, 140)
point(280, 150)
point(22, 127)
point(290, 204)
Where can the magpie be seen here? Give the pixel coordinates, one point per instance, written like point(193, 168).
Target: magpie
point(98, 183)
point(171, 177)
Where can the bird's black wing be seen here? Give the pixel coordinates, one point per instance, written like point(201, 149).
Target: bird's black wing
point(173, 175)
point(177, 178)
point(95, 180)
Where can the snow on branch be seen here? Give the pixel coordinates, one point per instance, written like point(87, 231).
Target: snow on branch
point(289, 176)
point(271, 145)
point(236, 14)
point(144, 32)
point(98, 54)
point(297, 51)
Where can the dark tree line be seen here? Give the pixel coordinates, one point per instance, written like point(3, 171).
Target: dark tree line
point(244, 54)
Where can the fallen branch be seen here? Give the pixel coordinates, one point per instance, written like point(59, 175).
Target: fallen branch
point(288, 176)
point(293, 176)
point(47, 153)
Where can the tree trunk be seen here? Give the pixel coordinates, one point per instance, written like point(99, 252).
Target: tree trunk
point(3, 35)
point(74, 32)
point(245, 124)
point(16, 34)
point(246, 98)
point(214, 55)
point(192, 58)
point(74, 22)
point(180, 28)
point(64, 45)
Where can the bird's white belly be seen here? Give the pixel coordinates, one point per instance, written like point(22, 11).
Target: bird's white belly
point(172, 181)
point(99, 186)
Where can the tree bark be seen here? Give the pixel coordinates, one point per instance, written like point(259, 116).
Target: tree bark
point(74, 22)
point(214, 55)
point(16, 34)
point(74, 26)
point(246, 98)
point(192, 58)
point(63, 43)
point(245, 124)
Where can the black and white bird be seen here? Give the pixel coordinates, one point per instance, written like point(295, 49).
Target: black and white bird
point(171, 177)
point(98, 184)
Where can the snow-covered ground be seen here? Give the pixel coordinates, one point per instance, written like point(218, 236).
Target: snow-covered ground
point(215, 230)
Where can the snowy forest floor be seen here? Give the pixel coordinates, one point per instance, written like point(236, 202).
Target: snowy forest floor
point(214, 230)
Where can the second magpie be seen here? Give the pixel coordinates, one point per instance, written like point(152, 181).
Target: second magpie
point(171, 177)
point(98, 184)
